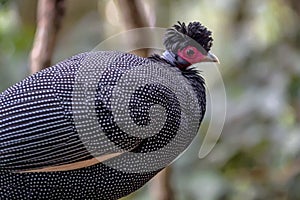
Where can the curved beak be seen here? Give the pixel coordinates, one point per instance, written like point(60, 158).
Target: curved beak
point(210, 57)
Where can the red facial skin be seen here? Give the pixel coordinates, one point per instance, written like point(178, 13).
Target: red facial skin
point(191, 54)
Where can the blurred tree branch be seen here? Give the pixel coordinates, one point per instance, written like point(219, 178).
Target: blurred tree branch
point(295, 5)
point(132, 14)
point(49, 17)
point(161, 186)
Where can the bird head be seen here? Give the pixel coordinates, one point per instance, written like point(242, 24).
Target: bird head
point(187, 45)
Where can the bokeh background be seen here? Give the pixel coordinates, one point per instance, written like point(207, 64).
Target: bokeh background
point(258, 43)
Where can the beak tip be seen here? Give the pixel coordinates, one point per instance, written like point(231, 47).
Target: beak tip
point(212, 58)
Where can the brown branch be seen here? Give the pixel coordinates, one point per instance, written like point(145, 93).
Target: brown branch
point(132, 15)
point(49, 17)
point(295, 5)
point(161, 187)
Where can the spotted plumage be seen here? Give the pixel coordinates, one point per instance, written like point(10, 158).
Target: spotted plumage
point(135, 115)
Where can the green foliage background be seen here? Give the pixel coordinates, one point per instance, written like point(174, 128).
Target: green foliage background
point(258, 44)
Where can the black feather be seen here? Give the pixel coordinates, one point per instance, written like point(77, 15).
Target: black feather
point(194, 34)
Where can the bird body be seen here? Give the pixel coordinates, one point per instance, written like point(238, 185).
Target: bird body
point(98, 125)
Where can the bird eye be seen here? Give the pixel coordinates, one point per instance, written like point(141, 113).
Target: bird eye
point(190, 52)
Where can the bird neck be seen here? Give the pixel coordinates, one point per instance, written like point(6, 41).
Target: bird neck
point(175, 60)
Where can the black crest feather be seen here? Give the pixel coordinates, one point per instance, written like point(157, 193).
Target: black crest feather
point(181, 36)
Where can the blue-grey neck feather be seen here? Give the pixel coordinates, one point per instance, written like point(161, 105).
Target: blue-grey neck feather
point(174, 59)
point(170, 57)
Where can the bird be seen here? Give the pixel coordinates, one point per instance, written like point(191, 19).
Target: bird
point(100, 125)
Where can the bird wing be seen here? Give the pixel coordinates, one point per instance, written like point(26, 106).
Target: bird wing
point(34, 129)
point(37, 128)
